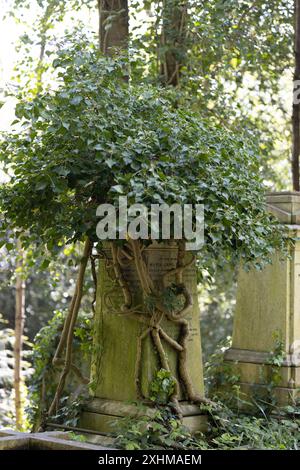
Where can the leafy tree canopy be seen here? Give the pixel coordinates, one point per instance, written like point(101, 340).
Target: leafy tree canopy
point(236, 61)
point(97, 137)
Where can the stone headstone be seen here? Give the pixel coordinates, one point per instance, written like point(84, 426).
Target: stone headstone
point(268, 307)
point(115, 343)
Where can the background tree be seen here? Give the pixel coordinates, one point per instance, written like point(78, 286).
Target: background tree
point(51, 12)
point(238, 57)
point(51, 8)
point(173, 42)
point(18, 343)
point(296, 106)
point(113, 25)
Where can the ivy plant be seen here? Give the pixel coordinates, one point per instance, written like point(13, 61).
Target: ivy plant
point(96, 137)
point(44, 378)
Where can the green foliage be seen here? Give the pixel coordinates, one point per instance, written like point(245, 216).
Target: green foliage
point(42, 353)
point(162, 387)
point(96, 137)
point(76, 437)
point(277, 355)
point(228, 430)
point(232, 430)
point(276, 358)
point(6, 375)
point(269, 427)
point(44, 379)
point(49, 287)
point(220, 379)
point(217, 297)
point(69, 411)
point(236, 56)
point(7, 408)
point(71, 163)
point(168, 298)
point(158, 428)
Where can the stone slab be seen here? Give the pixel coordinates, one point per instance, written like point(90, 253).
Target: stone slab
point(262, 307)
point(283, 395)
point(121, 408)
point(115, 335)
point(103, 415)
point(262, 374)
point(268, 308)
point(110, 423)
point(10, 440)
point(285, 206)
point(258, 357)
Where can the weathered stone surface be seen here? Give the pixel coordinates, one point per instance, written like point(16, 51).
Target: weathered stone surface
point(262, 374)
point(282, 395)
point(115, 336)
point(262, 307)
point(285, 206)
point(12, 440)
point(268, 303)
point(104, 415)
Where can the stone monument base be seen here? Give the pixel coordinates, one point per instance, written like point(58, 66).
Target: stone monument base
point(256, 377)
point(102, 415)
point(53, 440)
point(119, 339)
point(267, 317)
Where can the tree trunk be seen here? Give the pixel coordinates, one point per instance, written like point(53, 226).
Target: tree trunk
point(19, 326)
point(113, 25)
point(20, 283)
point(173, 40)
point(296, 105)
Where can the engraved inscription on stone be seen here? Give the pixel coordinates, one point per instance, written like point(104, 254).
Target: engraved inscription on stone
point(159, 261)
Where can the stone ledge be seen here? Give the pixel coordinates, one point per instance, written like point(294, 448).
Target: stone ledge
point(10, 440)
point(101, 414)
point(258, 357)
point(283, 395)
point(285, 206)
point(121, 408)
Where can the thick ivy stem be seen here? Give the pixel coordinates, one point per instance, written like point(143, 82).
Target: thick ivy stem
point(120, 278)
point(172, 342)
point(95, 280)
point(145, 280)
point(138, 362)
point(76, 370)
point(69, 327)
point(64, 334)
point(165, 364)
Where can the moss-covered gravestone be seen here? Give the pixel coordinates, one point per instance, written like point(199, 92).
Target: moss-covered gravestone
point(266, 337)
point(119, 339)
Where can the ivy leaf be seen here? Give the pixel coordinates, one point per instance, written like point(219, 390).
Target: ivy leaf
point(76, 100)
point(110, 162)
point(118, 189)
